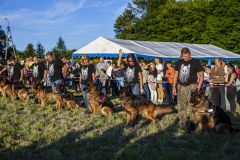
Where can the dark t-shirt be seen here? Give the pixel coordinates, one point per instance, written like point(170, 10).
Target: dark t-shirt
point(38, 71)
point(15, 71)
point(132, 73)
point(187, 71)
point(3, 63)
point(154, 73)
point(55, 69)
point(86, 72)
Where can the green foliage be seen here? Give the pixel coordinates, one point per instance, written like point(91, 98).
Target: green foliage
point(2, 42)
point(40, 50)
point(214, 22)
point(29, 51)
point(60, 50)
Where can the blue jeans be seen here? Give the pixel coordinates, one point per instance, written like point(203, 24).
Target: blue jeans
point(86, 101)
point(135, 89)
point(146, 90)
point(68, 82)
point(59, 81)
point(103, 90)
point(120, 82)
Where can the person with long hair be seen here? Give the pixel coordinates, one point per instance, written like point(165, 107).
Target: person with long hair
point(160, 76)
point(152, 82)
point(86, 74)
point(133, 73)
point(231, 86)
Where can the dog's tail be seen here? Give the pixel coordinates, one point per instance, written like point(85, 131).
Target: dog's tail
point(159, 110)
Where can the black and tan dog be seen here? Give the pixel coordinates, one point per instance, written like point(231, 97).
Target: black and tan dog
point(66, 97)
point(209, 117)
point(43, 93)
point(98, 102)
point(13, 90)
point(137, 104)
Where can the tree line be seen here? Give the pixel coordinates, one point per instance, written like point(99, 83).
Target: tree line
point(60, 50)
point(215, 22)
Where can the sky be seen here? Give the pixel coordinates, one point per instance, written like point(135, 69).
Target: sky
point(78, 22)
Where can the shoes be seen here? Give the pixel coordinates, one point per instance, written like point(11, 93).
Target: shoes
point(166, 103)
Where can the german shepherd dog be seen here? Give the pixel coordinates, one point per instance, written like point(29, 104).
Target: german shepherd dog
point(13, 90)
point(209, 117)
point(42, 93)
point(138, 104)
point(45, 93)
point(66, 97)
point(98, 102)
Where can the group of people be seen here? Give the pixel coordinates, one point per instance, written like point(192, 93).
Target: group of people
point(159, 82)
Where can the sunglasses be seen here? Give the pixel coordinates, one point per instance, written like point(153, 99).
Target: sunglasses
point(130, 61)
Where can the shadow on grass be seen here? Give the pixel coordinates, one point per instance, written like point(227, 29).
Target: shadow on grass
point(122, 142)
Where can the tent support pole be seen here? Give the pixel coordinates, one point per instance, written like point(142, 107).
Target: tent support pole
point(209, 62)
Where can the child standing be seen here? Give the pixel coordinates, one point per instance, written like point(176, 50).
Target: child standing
point(103, 79)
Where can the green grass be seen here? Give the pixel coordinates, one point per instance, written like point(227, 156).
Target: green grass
point(28, 131)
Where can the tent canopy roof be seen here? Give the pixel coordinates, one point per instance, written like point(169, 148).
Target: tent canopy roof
point(109, 47)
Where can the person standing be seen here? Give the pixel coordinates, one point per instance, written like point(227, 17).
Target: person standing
point(187, 70)
point(231, 86)
point(16, 71)
point(133, 72)
point(217, 75)
point(145, 72)
point(39, 71)
point(160, 91)
point(86, 75)
point(169, 79)
point(152, 79)
point(56, 66)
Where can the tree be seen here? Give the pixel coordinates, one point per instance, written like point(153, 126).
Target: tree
point(40, 50)
point(2, 42)
point(125, 25)
point(60, 50)
point(29, 51)
point(214, 22)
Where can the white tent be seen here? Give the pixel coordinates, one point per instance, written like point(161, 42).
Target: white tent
point(109, 47)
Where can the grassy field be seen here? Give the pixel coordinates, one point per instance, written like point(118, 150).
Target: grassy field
point(28, 131)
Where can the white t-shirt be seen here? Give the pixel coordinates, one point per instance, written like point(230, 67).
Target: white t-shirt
point(159, 67)
point(109, 71)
